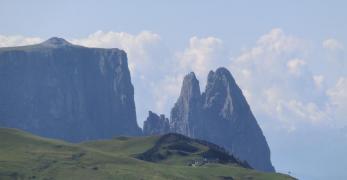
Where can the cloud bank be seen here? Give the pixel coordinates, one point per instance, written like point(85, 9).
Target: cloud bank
point(284, 88)
point(17, 40)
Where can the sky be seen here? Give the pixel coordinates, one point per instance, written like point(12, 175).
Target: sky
point(288, 57)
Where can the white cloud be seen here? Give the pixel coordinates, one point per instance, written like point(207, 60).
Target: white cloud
point(338, 101)
point(166, 92)
point(295, 65)
point(277, 78)
point(8, 41)
point(277, 41)
point(339, 92)
point(118, 40)
point(201, 56)
point(318, 80)
point(308, 111)
point(332, 44)
point(138, 47)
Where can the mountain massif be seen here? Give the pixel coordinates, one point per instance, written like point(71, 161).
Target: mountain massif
point(221, 115)
point(60, 90)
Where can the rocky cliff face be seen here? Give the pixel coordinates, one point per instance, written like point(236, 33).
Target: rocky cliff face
point(155, 124)
point(185, 115)
point(230, 122)
point(56, 89)
point(220, 115)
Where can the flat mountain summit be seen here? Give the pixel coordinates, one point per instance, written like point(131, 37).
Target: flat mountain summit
point(60, 90)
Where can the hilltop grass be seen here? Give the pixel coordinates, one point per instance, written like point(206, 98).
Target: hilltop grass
point(25, 156)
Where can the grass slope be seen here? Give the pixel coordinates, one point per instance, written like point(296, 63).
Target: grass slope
point(25, 156)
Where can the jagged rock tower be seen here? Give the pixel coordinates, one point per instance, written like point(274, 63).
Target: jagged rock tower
point(186, 114)
point(221, 115)
point(155, 124)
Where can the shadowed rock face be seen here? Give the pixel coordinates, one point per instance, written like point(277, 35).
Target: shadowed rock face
point(230, 122)
point(60, 90)
point(155, 124)
point(220, 115)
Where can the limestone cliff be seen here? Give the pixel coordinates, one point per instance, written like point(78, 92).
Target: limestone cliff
point(60, 90)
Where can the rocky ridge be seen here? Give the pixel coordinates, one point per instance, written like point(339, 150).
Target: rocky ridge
point(220, 115)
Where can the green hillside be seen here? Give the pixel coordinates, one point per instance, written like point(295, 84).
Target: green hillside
point(172, 156)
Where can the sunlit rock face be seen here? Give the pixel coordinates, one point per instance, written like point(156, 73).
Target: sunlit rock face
point(186, 116)
point(60, 90)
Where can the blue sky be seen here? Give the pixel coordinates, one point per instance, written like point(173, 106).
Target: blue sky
point(289, 58)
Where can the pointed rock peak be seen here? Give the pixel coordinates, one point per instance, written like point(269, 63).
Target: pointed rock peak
point(211, 73)
point(223, 70)
point(190, 80)
point(190, 86)
point(191, 77)
point(221, 73)
point(221, 90)
point(56, 42)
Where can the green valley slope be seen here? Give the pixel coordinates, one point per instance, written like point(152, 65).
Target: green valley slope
point(172, 156)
